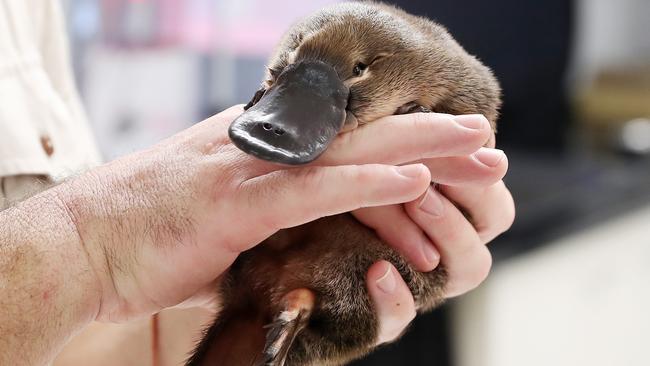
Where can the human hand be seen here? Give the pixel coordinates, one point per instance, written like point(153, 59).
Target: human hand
point(160, 226)
point(434, 229)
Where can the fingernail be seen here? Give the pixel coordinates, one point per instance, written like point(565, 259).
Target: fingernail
point(410, 171)
point(473, 121)
point(430, 254)
point(387, 283)
point(489, 157)
point(432, 203)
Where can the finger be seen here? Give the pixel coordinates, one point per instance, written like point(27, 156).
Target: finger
point(462, 252)
point(397, 229)
point(482, 168)
point(492, 209)
point(232, 112)
point(492, 141)
point(392, 300)
point(392, 224)
point(404, 138)
point(288, 198)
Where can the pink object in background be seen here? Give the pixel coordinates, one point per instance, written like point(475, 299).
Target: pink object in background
point(245, 27)
point(253, 27)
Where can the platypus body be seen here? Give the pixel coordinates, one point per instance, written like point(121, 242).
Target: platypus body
point(300, 298)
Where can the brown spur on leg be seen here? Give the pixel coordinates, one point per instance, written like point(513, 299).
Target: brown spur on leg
point(299, 298)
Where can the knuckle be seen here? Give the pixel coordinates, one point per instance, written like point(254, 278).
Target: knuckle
point(510, 214)
point(507, 216)
point(504, 216)
point(418, 120)
point(360, 180)
point(481, 268)
point(342, 141)
point(470, 141)
point(360, 175)
point(429, 124)
point(475, 270)
point(312, 177)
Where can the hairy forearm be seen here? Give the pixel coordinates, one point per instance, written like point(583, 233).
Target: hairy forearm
point(48, 290)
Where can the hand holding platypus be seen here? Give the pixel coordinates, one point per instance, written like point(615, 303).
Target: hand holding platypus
point(299, 298)
point(160, 227)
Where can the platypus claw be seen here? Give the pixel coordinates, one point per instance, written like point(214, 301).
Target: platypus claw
point(286, 326)
point(256, 98)
point(412, 107)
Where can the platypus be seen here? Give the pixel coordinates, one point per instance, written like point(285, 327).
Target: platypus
point(299, 298)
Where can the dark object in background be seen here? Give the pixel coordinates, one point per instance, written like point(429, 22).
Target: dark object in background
point(527, 44)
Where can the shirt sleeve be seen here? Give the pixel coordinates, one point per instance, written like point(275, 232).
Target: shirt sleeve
point(43, 127)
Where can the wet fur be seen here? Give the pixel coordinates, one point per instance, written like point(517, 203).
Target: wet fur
point(420, 68)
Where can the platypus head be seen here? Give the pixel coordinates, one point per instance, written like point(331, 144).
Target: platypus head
point(348, 65)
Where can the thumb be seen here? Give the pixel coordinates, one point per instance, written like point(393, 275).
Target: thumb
point(288, 198)
point(392, 299)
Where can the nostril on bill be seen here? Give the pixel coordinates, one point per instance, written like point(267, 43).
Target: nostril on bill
point(269, 127)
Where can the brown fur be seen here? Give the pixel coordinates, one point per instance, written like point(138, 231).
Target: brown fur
point(417, 67)
point(333, 264)
point(420, 61)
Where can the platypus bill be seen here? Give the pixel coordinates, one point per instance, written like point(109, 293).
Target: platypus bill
point(299, 298)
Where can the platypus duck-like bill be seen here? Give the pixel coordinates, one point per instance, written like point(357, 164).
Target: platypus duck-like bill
point(296, 119)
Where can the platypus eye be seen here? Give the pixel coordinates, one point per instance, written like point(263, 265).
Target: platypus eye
point(359, 68)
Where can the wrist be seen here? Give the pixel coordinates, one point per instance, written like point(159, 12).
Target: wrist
point(110, 209)
point(88, 218)
point(87, 280)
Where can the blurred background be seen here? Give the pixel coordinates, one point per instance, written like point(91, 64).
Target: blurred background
point(570, 280)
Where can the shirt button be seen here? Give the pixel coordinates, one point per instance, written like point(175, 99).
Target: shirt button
point(46, 144)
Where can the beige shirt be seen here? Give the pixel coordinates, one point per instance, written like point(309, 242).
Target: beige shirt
point(43, 128)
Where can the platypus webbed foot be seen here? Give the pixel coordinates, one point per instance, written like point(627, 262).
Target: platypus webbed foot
point(298, 305)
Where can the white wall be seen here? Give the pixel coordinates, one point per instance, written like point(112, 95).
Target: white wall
point(581, 300)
